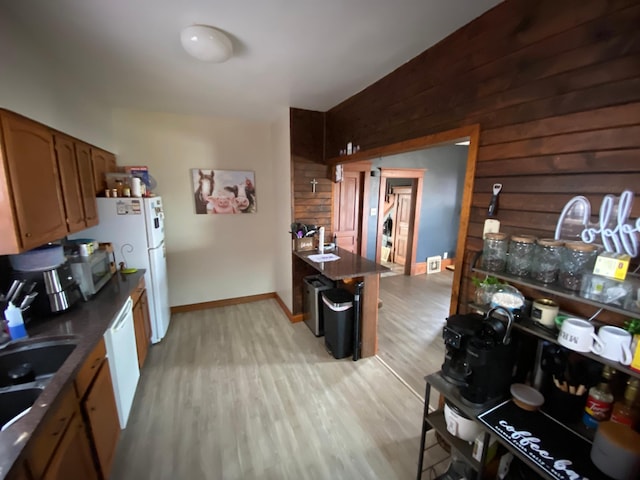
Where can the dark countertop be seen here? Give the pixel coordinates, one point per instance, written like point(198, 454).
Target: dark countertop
point(87, 322)
point(349, 265)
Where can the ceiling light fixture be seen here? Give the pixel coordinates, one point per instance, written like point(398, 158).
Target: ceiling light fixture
point(206, 43)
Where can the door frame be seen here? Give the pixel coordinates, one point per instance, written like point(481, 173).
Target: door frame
point(416, 175)
point(470, 132)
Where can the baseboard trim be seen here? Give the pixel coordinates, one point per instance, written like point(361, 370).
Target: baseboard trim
point(237, 301)
point(292, 318)
point(419, 268)
point(222, 303)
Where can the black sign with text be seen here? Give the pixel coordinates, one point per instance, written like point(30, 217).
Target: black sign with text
point(553, 448)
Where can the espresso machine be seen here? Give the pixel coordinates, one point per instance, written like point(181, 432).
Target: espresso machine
point(479, 355)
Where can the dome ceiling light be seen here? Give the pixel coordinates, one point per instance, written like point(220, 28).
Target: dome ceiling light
point(206, 43)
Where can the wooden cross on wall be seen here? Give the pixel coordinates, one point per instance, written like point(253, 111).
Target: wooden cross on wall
point(313, 183)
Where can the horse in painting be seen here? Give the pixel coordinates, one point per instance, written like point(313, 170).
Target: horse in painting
point(205, 188)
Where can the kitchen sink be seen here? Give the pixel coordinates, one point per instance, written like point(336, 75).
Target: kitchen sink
point(33, 361)
point(15, 401)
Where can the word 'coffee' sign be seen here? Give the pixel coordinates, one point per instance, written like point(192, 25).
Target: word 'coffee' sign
point(614, 230)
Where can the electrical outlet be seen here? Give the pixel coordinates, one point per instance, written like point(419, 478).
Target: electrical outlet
point(374, 212)
point(445, 255)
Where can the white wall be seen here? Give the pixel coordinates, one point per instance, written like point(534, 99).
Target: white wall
point(281, 144)
point(210, 257)
point(37, 86)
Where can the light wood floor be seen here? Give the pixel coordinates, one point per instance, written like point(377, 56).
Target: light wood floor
point(240, 393)
point(414, 310)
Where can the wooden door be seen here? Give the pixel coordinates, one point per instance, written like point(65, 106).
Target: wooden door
point(347, 212)
point(402, 227)
point(102, 414)
point(72, 460)
point(33, 176)
point(87, 187)
point(103, 162)
point(69, 179)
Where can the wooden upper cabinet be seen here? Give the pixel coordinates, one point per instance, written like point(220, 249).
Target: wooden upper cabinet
point(70, 181)
point(87, 186)
point(32, 177)
point(103, 162)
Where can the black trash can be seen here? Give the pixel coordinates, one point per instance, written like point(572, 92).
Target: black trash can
point(338, 322)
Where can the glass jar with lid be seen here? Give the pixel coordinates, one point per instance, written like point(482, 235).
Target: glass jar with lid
point(577, 259)
point(494, 252)
point(520, 255)
point(546, 260)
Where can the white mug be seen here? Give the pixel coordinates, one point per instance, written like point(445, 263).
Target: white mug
point(578, 335)
point(616, 344)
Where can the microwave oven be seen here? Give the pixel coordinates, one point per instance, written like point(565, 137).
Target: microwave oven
point(91, 272)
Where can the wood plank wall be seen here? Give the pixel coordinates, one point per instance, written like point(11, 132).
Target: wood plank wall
point(555, 87)
point(307, 152)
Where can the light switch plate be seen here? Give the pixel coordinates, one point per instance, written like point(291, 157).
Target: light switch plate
point(374, 212)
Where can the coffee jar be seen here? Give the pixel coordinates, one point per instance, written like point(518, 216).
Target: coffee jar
point(577, 259)
point(494, 252)
point(546, 260)
point(520, 255)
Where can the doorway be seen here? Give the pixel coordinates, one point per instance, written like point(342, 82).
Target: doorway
point(468, 132)
point(399, 202)
point(349, 198)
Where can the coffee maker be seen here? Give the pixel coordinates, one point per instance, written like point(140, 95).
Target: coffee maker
point(480, 354)
point(56, 287)
point(456, 334)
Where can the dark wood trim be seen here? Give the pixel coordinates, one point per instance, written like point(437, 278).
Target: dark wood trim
point(222, 303)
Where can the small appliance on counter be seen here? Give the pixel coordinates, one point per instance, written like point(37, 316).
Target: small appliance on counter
point(91, 271)
point(56, 287)
point(47, 272)
point(479, 355)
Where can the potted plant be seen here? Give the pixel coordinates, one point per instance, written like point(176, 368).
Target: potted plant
point(633, 327)
point(486, 288)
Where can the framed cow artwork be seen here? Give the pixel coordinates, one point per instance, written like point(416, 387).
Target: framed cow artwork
point(223, 191)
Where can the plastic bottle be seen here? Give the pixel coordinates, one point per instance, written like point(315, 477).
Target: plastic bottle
point(599, 401)
point(13, 315)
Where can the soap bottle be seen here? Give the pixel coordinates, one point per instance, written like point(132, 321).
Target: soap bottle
point(13, 315)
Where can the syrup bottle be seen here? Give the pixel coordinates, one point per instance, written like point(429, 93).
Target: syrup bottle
point(599, 401)
point(626, 411)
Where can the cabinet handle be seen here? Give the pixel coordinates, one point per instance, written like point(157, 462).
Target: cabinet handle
point(27, 235)
point(95, 363)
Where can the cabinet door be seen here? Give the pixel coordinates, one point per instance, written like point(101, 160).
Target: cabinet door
point(72, 460)
point(147, 317)
point(33, 176)
point(102, 414)
point(87, 187)
point(139, 323)
point(103, 162)
point(69, 179)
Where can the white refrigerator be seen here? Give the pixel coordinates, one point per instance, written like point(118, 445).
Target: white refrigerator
point(135, 227)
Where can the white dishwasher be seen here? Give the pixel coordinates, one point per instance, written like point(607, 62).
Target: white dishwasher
point(120, 339)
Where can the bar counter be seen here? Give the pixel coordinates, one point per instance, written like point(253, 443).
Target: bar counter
point(350, 268)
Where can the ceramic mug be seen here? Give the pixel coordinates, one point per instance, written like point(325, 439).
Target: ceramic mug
point(579, 335)
point(617, 344)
